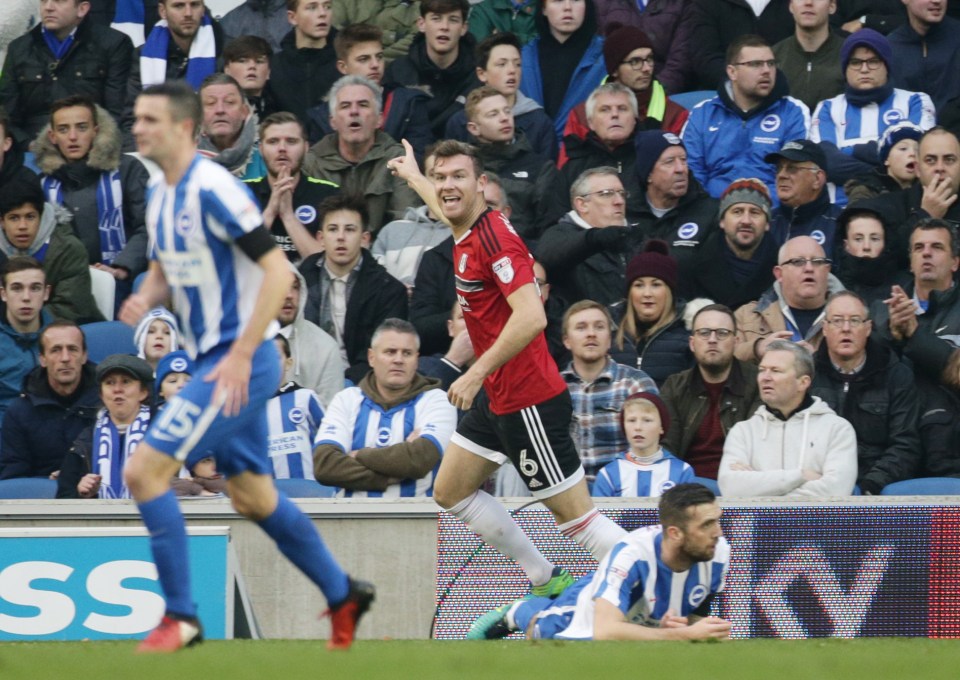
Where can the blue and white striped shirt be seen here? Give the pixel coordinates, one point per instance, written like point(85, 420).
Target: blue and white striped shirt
point(836, 120)
point(353, 421)
point(625, 478)
point(633, 578)
point(193, 228)
point(294, 417)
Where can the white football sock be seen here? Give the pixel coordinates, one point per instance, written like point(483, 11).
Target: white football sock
point(595, 532)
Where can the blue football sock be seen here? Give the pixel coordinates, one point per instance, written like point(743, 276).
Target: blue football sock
point(300, 542)
point(168, 542)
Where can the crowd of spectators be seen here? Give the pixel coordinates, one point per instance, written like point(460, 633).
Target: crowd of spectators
point(744, 217)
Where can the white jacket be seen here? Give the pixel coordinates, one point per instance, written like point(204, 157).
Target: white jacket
point(778, 451)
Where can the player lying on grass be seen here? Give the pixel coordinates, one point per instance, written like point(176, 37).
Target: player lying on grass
point(656, 584)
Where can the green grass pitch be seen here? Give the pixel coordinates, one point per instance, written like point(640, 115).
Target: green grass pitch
point(866, 659)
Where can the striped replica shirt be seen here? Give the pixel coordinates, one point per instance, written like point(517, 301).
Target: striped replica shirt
point(837, 121)
point(625, 478)
point(193, 228)
point(633, 578)
point(293, 417)
point(353, 421)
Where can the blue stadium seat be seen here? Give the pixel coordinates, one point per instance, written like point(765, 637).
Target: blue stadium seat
point(137, 282)
point(925, 486)
point(108, 337)
point(304, 488)
point(690, 99)
point(709, 483)
point(28, 487)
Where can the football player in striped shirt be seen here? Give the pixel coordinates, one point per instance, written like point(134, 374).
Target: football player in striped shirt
point(210, 253)
point(656, 584)
point(645, 469)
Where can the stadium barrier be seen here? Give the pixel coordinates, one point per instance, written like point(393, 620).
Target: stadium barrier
point(876, 565)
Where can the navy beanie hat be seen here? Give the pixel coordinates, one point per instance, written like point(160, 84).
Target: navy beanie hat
point(650, 144)
point(867, 37)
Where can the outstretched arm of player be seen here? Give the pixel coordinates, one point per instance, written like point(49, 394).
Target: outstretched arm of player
point(610, 624)
point(527, 321)
point(406, 168)
point(153, 291)
point(232, 373)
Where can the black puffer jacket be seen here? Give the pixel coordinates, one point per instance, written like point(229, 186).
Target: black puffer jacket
point(590, 152)
point(537, 192)
point(447, 87)
point(660, 356)
point(301, 78)
point(883, 405)
point(96, 65)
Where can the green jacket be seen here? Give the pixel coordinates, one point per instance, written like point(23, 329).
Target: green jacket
point(396, 18)
point(387, 197)
point(499, 16)
point(64, 260)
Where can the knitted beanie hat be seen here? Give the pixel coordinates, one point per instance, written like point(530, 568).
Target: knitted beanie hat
point(650, 145)
point(653, 399)
point(894, 134)
point(654, 260)
point(867, 37)
point(621, 41)
point(746, 190)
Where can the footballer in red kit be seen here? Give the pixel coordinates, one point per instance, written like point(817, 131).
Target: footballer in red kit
point(524, 414)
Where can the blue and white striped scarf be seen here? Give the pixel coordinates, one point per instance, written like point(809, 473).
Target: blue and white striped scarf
point(113, 237)
point(129, 19)
point(202, 60)
point(111, 456)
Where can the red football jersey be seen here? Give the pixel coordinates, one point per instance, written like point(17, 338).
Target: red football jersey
point(490, 262)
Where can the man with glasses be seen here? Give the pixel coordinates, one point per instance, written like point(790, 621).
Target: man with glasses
point(728, 136)
point(848, 127)
point(805, 208)
point(586, 252)
point(866, 383)
point(793, 308)
point(707, 400)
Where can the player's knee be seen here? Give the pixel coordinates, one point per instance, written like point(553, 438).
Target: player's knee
point(446, 495)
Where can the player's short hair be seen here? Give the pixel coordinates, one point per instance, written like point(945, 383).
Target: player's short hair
point(676, 502)
point(930, 223)
point(19, 263)
point(445, 7)
point(579, 186)
point(284, 343)
point(281, 118)
point(486, 46)
point(246, 47)
point(802, 359)
point(347, 81)
point(745, 40)
point(62, 323)
point(182, 102)
point(344, 201)
point(350, 36)
point(612, 87)
point(715, 307)
point(70, 102)
point(582, 306)
point(448, 148)
point(476, 96)
point(849, 294)
point(397, 326)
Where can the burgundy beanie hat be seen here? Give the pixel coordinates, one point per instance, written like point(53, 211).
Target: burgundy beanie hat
point(654, 260)
point(653, 399)
point(621, 41)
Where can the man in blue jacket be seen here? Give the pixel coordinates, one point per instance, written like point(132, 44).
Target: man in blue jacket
point(728, 136)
